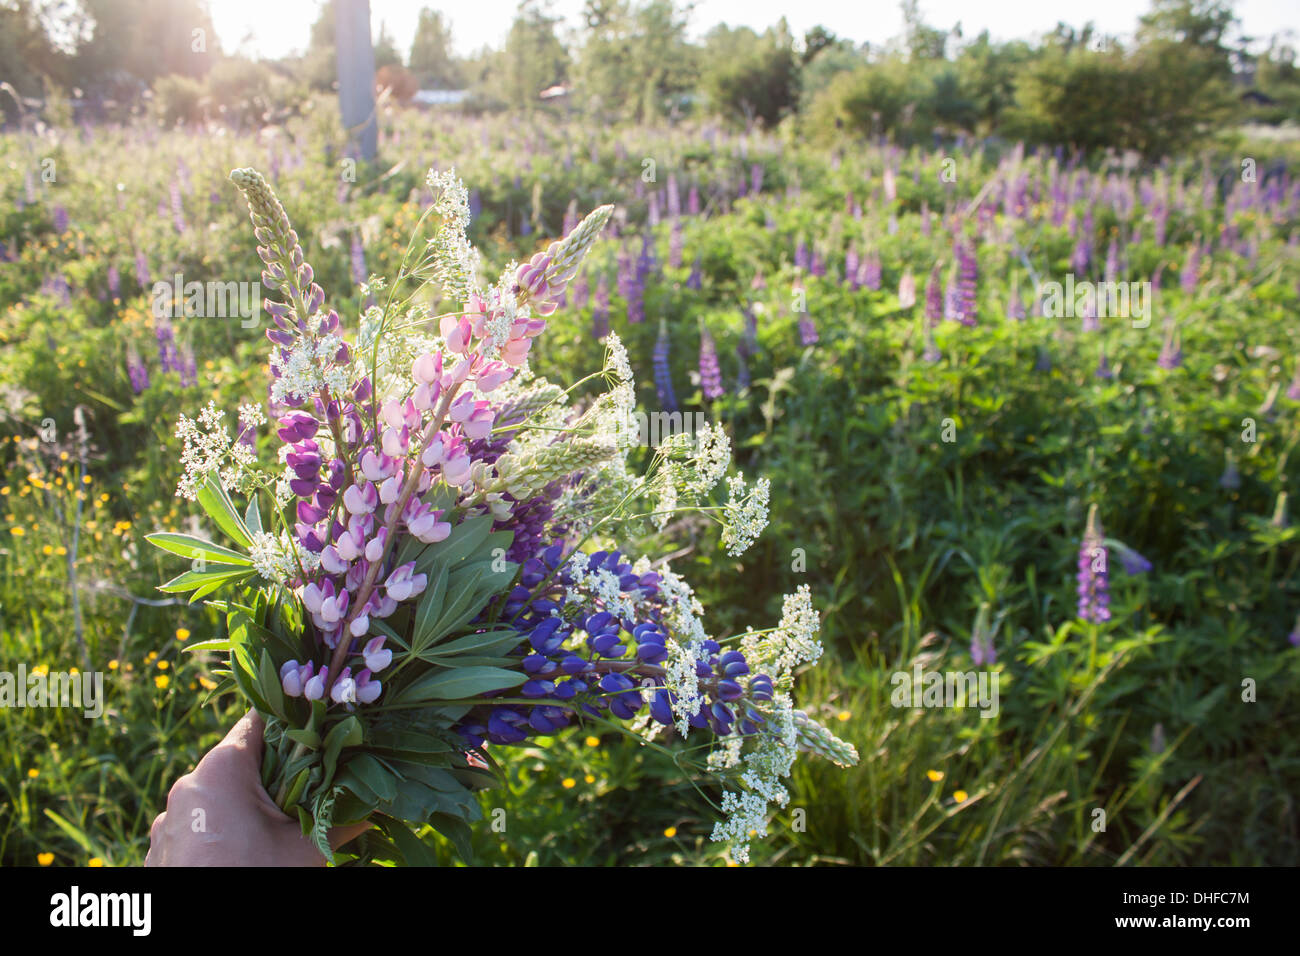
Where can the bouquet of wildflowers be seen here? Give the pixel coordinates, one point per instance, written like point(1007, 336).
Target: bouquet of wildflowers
point(438, 567)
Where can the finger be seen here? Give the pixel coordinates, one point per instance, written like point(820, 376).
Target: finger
point(241, 750)
point(347, 833)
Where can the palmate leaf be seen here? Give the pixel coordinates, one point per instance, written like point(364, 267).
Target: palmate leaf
point(459, 683)
point(413, 850)
point(188, 546)
point(214, 500)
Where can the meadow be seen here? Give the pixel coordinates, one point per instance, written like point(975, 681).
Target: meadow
point(864, 320)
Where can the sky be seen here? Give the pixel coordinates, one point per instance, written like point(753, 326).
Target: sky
point(274, 28)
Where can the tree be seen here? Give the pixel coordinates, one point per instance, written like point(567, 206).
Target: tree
point(431, 60)
point(533, 59)
point(634, 62)
point(747, 76)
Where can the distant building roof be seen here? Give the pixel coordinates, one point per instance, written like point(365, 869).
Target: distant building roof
point(552, 92)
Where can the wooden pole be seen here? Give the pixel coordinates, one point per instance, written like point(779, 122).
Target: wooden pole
point(356, 61)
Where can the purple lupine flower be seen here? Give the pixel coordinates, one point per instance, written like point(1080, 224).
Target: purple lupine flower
point(967, 276)
point(675, 245)
point(1112, 262)
point(931, 353)
point(581, 289)
point(1015, 308)
point(1171, 353)
point(60, 219)
point(1044, 361)
point(359, 273)
point(1081, 258)
point(1187, 278)
point(141, 270)
point(1294, 636)
point(934, 297)
point(802, 256)
point(136, 371)
point(869, 272)
point(114, 281)
point(1103, 367)
point(851, 263)
point(1090, 321)
point(1130, 560)
point(742, 371)
point(663, 373)
point(807, 329)
point(693, 201)
point(188, 367)
point(600, 309)
point(167, 356)
point(1293, 390)
point(674, 199)
point(696, 279)
point(710, 373)
point(756, 178)
point(178, 209)
point(1093, 576)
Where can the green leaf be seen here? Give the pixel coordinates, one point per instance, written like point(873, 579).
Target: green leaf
point(215, 644)
point(308, 738)
point(489, 642)
point(346, 733)
point(373, 774)
point(460, 683)
point(270, 684)
point(253, 517)
point(198, 579)
point(220, 509)
point(429, 611)
point(457, 831)
point(188, 546)
point(413, 850)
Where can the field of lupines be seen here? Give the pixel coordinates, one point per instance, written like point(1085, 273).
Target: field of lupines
point(949, 458)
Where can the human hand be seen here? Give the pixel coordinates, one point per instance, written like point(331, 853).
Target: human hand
point(220, 814)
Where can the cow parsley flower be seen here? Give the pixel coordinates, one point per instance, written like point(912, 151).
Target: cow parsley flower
point(745, 514)
point(205, 446)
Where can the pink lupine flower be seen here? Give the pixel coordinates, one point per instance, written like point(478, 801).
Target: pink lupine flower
point(361, 499)
point(313, 595)
point(493, 375)
point(334, 609)
point(456, 470)
point(376, 655)
point(457, 332)
point(332, 561)
point(428, 528)
point(427, 369)
point(391, 490)
point(516, 351)
point(314, 688)
point(377, 467)
point(291, 678)
point(375, 548)
point(404, 583)
point(360, 625)
point(367, 689)
point(436, 453)
point(344, 690)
